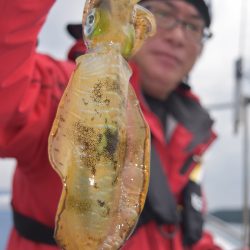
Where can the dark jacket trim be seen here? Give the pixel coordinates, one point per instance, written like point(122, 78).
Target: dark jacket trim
point(160, 204)
point(32, 229)
point(192, 116)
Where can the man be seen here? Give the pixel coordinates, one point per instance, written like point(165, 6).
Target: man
point(180, 128)
point(31, 86)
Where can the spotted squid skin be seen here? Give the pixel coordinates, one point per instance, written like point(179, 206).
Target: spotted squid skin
point(99, 145)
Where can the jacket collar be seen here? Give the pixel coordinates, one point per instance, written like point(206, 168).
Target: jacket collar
point(185, 109)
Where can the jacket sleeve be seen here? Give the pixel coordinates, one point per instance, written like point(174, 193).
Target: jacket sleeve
point(26, 80)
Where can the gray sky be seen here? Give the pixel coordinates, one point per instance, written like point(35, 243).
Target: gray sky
point(212, 79)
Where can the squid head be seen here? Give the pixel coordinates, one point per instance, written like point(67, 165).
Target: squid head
point(122, 23)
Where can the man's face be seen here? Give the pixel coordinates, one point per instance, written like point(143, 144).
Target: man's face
point(166, 58)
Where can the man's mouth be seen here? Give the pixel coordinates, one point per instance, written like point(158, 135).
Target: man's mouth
point(167, 58)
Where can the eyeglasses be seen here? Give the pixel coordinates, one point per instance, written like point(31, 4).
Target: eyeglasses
point(166, 19)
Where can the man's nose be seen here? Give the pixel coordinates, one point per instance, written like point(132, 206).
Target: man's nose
point(176, 35)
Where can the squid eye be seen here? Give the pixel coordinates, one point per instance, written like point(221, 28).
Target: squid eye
point(90, 23)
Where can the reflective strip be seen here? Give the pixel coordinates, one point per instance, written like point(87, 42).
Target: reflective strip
point(196, 174)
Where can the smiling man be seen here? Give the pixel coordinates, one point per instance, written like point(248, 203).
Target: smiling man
point(167, 58)
point(181, 129)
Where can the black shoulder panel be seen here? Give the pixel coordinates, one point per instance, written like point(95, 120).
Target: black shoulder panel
point(191, 115)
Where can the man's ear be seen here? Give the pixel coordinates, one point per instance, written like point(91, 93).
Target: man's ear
point(145, 26)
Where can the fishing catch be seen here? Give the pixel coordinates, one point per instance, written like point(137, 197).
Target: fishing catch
point(99, 143)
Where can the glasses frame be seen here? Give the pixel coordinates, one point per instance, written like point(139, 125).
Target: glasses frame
point(206, 33)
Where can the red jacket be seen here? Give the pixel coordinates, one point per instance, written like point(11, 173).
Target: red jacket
point(173, 156)
point(31, 86)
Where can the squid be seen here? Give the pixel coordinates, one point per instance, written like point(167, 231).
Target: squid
point(99, 143)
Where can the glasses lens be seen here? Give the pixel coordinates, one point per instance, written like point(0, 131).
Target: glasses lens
point(193, 31)
point(165, 20)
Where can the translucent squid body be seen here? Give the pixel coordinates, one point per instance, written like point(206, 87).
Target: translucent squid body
point(99, 143)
